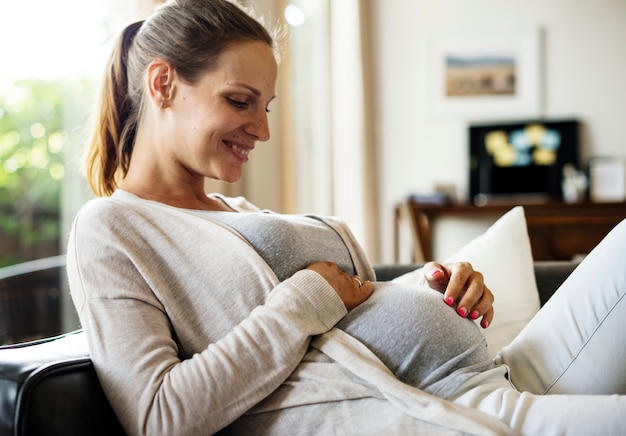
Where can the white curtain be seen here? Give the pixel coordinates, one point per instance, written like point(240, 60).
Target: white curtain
point(355, 196)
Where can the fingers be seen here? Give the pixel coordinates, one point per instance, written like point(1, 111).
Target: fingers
point(436, 276)
point(451, 279)
point(462, 278)
point(463, 287)
point(358, 280)
point(479, 300)
point(360, 292)
point(352, 290)
point(487, 318)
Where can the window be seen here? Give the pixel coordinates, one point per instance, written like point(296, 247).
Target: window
point(49, 75)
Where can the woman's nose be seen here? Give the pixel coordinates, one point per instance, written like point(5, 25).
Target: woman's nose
point(259, 128)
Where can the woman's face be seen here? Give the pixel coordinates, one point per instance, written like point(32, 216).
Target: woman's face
point(217, 122)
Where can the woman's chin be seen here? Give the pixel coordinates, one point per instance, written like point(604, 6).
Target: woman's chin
point(231, 177)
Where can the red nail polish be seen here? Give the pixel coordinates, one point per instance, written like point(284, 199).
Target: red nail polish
point(435, 272)
point(485, 324)
point(449, 301)
point(474, 314)
point(462, 311)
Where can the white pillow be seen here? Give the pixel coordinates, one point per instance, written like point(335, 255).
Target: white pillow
point(503, 255)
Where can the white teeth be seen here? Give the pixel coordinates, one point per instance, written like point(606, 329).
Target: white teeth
point(240, 150)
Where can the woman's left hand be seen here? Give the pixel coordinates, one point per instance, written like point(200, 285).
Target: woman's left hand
point(463, 286)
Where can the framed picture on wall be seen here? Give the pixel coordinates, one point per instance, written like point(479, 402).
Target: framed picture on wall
point(486, 74)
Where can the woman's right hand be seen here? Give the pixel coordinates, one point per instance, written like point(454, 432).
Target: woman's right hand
point(352, 290)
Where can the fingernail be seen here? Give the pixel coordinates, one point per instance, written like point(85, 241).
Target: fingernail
point(435, 272)
point(449, 301)
point(485, 324)
point(474, 314)
point(462, 311)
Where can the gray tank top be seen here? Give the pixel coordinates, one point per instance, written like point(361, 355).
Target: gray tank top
point(289, 243)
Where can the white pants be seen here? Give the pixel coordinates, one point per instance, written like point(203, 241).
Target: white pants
point(568, 365)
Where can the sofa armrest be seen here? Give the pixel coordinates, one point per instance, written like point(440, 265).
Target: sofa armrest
point(50, 387)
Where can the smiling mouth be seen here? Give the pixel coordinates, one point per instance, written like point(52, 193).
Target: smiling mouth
point(243, 152)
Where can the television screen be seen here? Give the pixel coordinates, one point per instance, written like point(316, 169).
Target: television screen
point(520, 159)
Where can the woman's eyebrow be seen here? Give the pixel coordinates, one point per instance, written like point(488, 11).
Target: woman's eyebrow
point(250, 88)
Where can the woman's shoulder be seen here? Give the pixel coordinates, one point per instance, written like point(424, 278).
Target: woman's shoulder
point(103, 207)
point(121, 210)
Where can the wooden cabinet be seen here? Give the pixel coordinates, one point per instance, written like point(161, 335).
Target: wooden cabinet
point(557, 230)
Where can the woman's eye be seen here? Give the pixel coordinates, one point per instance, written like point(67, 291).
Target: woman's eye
point(238, 103)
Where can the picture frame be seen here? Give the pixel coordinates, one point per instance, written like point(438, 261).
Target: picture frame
point(487, 74)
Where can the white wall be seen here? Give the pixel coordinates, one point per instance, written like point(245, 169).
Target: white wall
point(582, 70)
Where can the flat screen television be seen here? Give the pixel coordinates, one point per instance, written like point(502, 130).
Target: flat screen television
point(520, 160)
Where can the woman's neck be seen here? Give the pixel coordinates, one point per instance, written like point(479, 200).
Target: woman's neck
point(149, 179)
point(186, 197)
point(196, 202)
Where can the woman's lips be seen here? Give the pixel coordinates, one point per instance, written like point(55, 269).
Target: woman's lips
point(239, 150)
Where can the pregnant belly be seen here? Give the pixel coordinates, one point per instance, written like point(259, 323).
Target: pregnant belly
point(420, 338)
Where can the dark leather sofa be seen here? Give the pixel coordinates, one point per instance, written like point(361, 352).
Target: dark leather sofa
point(49, 386)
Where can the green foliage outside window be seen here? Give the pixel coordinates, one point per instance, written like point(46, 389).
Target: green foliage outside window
point(33, 138)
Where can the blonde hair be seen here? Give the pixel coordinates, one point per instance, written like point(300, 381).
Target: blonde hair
point(189, 34)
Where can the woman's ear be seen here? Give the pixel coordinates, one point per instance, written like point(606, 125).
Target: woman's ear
point(160, 78)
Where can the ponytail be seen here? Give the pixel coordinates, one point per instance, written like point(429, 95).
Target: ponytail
point(115, 123)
